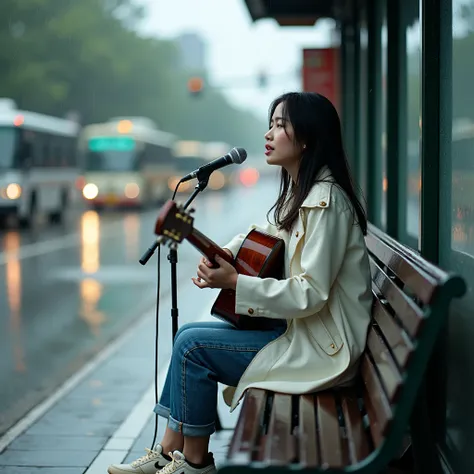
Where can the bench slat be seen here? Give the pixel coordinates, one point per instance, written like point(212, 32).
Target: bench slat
point(280, 443)
point(246, 434)
point(332, 451)
point(307, 439)
point(419, 281)
point(401, 346)
point(358, 445)
point(406, 310)
point(376, 403)
point(387, 369)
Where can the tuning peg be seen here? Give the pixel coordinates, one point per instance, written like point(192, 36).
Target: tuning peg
point(191, 211)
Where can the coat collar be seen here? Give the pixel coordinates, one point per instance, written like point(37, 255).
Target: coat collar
point(320, 194)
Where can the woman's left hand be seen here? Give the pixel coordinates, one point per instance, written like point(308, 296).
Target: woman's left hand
point(224, 276)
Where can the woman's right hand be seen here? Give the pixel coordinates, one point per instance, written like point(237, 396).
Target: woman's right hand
point(209, 264)
point(206, 262)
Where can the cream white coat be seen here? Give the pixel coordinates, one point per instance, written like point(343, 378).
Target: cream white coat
point(325, 298)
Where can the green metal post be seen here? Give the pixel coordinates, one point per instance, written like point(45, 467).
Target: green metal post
point(395, 50)
point(374, 185)
point(430, 128)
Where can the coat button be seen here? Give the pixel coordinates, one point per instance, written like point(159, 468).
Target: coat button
point(250, 311)
point(323, 204)
point(333, 346)
point(297, 234)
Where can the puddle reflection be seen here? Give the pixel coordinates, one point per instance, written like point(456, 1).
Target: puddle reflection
point(13, 288)
point(91, 292)
point(90, 289)
point(131, 226)
point(90, 233)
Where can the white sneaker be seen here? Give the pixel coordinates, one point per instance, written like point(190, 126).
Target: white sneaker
point(179, 465)
point(148, 464)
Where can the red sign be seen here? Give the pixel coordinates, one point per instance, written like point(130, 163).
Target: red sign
point(321, 73)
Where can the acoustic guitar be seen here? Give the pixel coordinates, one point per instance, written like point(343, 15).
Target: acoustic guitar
point(260, 255)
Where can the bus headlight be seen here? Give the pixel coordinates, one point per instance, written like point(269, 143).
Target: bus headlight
point(132, 190)
point(90, 191)
point(13, 191)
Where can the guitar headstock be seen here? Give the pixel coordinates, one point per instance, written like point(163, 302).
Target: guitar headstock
point(174, 223)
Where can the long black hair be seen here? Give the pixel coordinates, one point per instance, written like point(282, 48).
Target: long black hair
point(316, 124)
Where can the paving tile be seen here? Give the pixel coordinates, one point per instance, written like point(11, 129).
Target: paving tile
point(28, 442)
point(119, 444)
point(112, 388)
point(80, 428)
point(94, 404)
point(107, 395)
point(47, 458)
point(70, 415)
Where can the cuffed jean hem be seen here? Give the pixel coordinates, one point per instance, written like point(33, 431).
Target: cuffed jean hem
point(184, 428)
point(160, 410)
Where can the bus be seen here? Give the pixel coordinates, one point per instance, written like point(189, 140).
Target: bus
point(227, 175)
point(246, 174)
point(190, 155)
point(38, 164)
point(126, 162)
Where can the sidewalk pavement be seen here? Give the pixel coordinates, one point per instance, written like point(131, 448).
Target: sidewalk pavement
point(102, 415)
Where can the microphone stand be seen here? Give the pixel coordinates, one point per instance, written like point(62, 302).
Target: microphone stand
point(203, 180)
point(173, 259)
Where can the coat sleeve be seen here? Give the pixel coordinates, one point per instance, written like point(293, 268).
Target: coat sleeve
point(326, 236)
point(236, 242)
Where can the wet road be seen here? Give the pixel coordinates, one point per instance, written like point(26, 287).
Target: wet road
point(66, 291)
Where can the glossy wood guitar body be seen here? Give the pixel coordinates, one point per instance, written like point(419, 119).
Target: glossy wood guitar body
point(260, 255)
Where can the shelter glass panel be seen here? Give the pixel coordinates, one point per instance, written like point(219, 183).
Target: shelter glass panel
point(412, 186)
point(457, 240)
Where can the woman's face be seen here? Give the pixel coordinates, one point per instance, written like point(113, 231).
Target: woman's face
point(280, 148)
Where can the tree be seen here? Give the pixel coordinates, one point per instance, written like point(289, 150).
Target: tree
point(63, 55)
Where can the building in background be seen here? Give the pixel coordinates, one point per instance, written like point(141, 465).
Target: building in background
point(193, 52)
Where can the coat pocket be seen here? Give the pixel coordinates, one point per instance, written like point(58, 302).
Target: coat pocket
point(324, 330)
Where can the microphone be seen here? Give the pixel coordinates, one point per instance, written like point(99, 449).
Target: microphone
point(236, 155)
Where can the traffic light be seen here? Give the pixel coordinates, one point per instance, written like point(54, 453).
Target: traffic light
point(195, 85)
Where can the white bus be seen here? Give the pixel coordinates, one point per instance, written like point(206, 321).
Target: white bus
point(190, 155)
point(127, 162)
point(227, 175)
point(38, 165)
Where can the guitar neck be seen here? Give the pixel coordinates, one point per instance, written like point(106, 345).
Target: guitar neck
point(207, 247)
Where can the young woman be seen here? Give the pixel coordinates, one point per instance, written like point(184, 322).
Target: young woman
point(323, 304)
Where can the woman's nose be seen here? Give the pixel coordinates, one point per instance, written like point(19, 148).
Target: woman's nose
point(267, 135)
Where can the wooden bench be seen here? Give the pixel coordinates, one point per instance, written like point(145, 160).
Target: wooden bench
point(359, 429)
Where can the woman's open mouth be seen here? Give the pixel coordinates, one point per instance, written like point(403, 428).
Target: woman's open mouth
point(268, 149)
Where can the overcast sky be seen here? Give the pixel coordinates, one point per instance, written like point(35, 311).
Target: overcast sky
point(239, 48)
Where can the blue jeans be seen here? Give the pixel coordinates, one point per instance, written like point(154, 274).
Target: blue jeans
point(205, 353)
